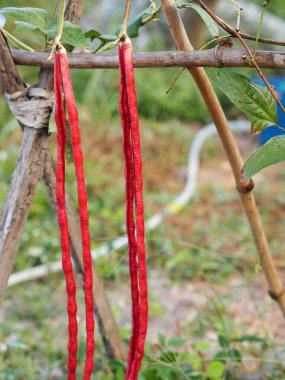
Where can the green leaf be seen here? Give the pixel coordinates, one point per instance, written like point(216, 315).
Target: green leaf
point(167, 372)
point(169, 357)
point(23, 26)
point(236, 356)
point(196, 362)
point(162, 340)
point(150, 374)
point(92, 34)
point(269, 154)
point(105, 38)
point(223, 341)
point(34, 16)
point(215, 370)
point(211, 25)
point(255, 101)
point(72, 34)
point(250, 338)
point(135, 24)
point(176, 342)
point(203, 347)
point(120, 375)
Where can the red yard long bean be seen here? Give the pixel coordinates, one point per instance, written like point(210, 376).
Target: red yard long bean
point(134, 199)
point(130, 197)
point(63, 224)
point(62, 64)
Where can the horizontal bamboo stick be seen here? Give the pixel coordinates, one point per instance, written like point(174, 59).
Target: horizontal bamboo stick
point(217, 57)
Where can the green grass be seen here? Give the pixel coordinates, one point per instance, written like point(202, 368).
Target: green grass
point(33, 334)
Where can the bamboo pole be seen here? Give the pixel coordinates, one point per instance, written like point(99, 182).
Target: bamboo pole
point(246, 188)
point(219, 57)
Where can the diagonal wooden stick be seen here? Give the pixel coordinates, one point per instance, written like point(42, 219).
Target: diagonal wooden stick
point(245, 189)
point(28, 172)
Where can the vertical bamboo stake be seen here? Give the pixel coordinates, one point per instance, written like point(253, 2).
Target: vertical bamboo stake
point(245, 189)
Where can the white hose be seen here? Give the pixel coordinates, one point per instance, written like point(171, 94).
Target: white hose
point(172, 208)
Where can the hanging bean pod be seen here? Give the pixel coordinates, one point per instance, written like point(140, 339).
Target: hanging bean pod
point(134, 205)
point(64, 76)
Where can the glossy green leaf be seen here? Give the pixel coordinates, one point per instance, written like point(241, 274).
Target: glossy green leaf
point(210, 23)
point(34, 16)
point(255, 101)
point(269, 154)
point(72, 34)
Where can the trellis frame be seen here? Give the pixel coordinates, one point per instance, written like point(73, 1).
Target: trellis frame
point(35, 162)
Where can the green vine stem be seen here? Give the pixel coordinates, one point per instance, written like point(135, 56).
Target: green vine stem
point(56, 11)
point(259, 28)
point(57, 42)
point(17, 43)
point(217, 39)
point(61, 22)
point(126, 18)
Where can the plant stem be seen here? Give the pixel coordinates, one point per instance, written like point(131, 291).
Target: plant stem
point(181, 71)
point(213, 41)
point(61, 22)
point(16, 42)
point(126, 17)
point(56, 42)
point(155, 11)
point(259, 30)
point(56, 11)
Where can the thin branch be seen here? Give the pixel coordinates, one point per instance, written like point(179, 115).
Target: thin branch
point(220, 56)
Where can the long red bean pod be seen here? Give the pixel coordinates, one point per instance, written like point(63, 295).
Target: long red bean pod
point(130, 223)
point(63, 223)
point(83, 210)
point(134, 196)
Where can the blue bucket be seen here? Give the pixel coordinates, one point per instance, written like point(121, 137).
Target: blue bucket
point(279, 83)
